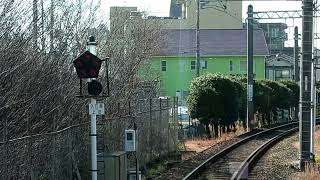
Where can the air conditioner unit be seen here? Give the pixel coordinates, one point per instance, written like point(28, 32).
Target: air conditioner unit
point(130, 140)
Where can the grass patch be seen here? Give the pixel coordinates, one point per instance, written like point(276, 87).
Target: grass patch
point(161, 164)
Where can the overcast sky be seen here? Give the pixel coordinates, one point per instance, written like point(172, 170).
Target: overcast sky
point(162, 7)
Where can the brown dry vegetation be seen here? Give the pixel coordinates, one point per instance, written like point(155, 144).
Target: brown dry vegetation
point(201, 144)
point(312, 171)
point(39, 40)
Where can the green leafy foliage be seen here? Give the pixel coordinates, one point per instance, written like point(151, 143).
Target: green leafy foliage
point(280, 94)
point(294, 87)
point(262, 94)
point(214, 97)
point(218, 99)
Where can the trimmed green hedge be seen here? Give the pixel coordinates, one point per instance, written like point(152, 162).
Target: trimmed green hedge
point(221, 100)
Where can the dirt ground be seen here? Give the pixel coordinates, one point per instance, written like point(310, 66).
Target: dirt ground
point(311, 172)
point(199, 145)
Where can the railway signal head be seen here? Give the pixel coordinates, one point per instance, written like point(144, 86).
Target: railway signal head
point(87, 65)
point(94, 88)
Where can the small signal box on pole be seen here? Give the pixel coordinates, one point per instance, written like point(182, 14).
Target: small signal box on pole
point(130, 140)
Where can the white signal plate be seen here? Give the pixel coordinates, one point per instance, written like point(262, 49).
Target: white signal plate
point(97, 109)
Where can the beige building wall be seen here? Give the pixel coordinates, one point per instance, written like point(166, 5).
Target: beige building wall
point(119, 17)
point(213, 19)
point(210, 18)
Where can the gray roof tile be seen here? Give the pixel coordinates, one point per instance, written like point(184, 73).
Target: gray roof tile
point(182, 42)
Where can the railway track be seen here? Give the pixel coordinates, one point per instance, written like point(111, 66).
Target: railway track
point(235, 161)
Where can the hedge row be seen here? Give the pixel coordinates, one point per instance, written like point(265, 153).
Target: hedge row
point(220, 100)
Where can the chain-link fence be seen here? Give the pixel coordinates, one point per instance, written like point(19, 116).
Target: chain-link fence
point(65, 153)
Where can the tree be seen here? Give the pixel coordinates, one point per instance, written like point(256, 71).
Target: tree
point(202, 100)
point(131, 43)
point(214, 100)
point(38, 88)
point(280, 95)
point(294, 97)
point(241, 87)
point(262, 101)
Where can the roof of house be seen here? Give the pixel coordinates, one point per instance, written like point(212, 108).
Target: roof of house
point(213, 42)
point(280, 60)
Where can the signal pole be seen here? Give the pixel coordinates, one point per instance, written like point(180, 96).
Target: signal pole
point(88, 66)
point(250, 68)
point(197, 37)
point(305, 83)
point(92, 45)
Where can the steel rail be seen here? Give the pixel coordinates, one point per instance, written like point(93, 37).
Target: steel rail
point(194, 173)
point(243, 171)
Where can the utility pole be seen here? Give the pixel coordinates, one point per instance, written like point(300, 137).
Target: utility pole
point(92, 45)
point(52, 6)
point(35, 24)
point(305, 83)
point(198, 38)
point(250, 68)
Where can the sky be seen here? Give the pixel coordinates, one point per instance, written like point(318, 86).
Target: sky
point(162, 7)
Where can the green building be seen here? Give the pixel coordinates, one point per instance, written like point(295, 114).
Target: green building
point(222, 51)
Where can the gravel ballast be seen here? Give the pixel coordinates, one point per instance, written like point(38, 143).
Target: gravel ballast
point(278, 161)
point(182, 169)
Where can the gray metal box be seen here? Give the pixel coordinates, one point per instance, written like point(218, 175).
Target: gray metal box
point(115, 166)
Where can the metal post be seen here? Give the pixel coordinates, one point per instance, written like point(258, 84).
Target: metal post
point(296, 55)
point(150, 125)
point(250, 68)
point(136, 152)
point(93, 137)
point(6, 152)
point(161, 124)
point(314, 113)
point(29, 146)
point(35, 25)
point(93, 124)
point(198, 38)
point(313, 91)
point(51, 35)
point(168, 123)
point(305, 83)
point(296, 66)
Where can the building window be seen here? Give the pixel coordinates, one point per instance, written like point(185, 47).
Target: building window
point(282, 74)
point(193, 65)
point(204, 64)
point(274, 32)
point(231, 66)
point(163, 65)
point(243, 65)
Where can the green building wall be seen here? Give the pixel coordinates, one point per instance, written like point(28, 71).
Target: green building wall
point(178, 74)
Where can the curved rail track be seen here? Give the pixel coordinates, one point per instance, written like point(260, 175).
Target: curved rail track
point(235, 161)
